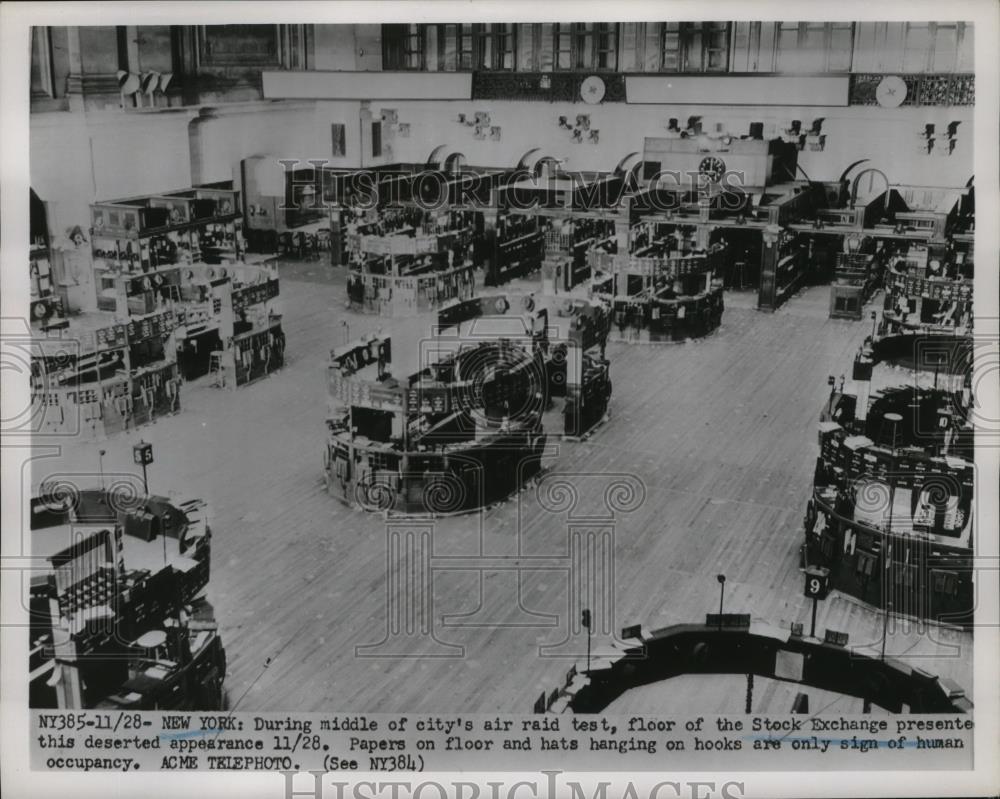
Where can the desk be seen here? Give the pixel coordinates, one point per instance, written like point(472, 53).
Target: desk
point(151, 640)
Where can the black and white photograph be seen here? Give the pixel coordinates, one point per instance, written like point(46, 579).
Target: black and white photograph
point(394, 389)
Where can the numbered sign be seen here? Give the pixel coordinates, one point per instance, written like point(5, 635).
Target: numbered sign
point(142, 453)
point(817, 583)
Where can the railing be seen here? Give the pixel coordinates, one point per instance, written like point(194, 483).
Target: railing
point(401, 244)
point(404, 295)
point(935, 288)
point(729, 644)
point(668, 268)
point(379, 477)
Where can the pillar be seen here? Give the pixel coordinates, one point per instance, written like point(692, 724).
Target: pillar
point(591, 578)
point(409, 617)
point(487, 252)
point(337, 250)
point(769, 256)
point(590, 506)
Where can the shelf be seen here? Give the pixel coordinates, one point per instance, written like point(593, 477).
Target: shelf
point(121, 233)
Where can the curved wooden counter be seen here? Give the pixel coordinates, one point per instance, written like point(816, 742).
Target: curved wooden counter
point(679, 299)
point(733, 644)
point(465, 429)
point(440, 482)
point(893, 523)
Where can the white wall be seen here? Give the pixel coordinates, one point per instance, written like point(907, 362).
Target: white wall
point(220, 141)
point(889, 138)
point(79, 158)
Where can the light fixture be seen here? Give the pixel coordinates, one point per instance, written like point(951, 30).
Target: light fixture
point(131, 84)
point(149, 82)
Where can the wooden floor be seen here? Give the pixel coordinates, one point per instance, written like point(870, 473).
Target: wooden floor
point(721, 435)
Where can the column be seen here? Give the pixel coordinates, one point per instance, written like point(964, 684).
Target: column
point(409, 617)
point(487, 253)
point(74, 81)
point(499, 574)
point(589, 506)
point(573, 413)
point(591, 573)
point(769, 256)
point(336, 237)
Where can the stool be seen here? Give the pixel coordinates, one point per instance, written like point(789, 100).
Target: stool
point(153, 643)
point(890, 437)
point(215, 367)
point(739, 278)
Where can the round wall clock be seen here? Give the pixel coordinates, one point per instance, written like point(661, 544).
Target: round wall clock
point(713, 167)
point(891, 91)
point(592, 89)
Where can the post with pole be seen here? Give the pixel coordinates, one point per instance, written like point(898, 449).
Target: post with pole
point(142, 454)
point(817, 587)
point(722, 592)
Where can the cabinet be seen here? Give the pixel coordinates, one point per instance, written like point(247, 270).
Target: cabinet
point(258, 353)
point(143, 234)
point(855, 280)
